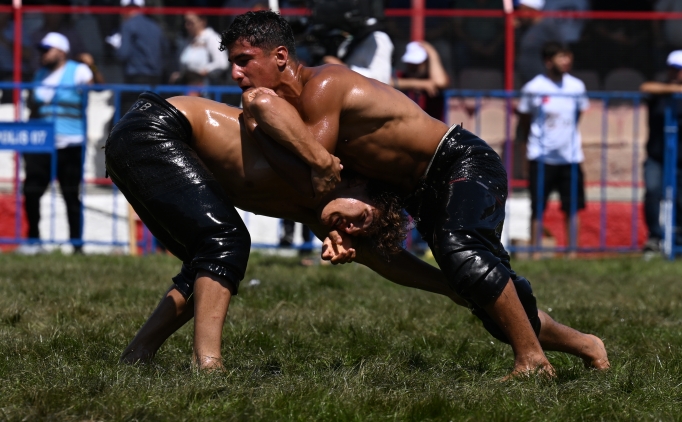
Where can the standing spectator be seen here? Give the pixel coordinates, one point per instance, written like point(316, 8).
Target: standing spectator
point(659, 98)
point(368, 52)
point(551, 122)
point(142, 47)
point(536, 33)
point(668, 32)
point(64, 107)
point(424, 78)
point(61, 23)
point(201, 61)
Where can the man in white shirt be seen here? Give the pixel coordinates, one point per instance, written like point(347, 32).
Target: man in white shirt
point(64, 107)
point(549, 110)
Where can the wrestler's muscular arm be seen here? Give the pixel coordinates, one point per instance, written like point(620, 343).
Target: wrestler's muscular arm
point(403, 268)
point(310, 129)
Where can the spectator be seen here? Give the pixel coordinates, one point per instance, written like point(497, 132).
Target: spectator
point(368, 52)
point(658, 99)
point(549, 109)
point(669, 31)
point(61, 23)
point(424, 78)
point(64, 107)
point(142, 47)
point(7, 53)
point(201, 61)
point(570, 29)
point(481, 40)
point(618, 41)
point(536, 33)
point(287, 239)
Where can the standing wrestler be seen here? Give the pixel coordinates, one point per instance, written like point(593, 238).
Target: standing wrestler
point(452, 182)
point(184, 164)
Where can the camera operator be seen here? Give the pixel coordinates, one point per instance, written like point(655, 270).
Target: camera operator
point(367, 49)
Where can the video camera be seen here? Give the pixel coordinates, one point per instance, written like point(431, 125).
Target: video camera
point(331, 21)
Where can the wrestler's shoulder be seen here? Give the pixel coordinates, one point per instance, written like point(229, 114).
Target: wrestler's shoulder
point(329, 73)
point(190, 104)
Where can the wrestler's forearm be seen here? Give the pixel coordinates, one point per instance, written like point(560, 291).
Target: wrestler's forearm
point(288, 166)
point(408, 270)
point(281, 121)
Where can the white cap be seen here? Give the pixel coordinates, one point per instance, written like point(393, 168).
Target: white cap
point(139, 3)
point(56, 40)
point(675, 59)
point(533, 4)
point(415, 53)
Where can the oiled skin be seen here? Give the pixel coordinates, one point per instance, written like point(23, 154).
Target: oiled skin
point(238, 165)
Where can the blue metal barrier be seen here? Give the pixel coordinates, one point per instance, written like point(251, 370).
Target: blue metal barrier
point(216, 92)
point(607, 98)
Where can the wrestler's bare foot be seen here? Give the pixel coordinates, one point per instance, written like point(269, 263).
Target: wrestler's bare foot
point(595, 357)
point(208, 363)
point(531, 366)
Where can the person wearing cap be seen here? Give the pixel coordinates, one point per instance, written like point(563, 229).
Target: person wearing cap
point(549, 111)
point(64, 107)
point(424, 78)
point(535, 33)
point(658, 100)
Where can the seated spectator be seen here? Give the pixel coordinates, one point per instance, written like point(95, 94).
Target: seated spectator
point(201, 61)
point(658, 100)
point(570, 29)
point(481, 40)
point(424, 78)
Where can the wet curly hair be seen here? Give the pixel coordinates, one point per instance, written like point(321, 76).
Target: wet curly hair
point(263, 29)
point(390, 225)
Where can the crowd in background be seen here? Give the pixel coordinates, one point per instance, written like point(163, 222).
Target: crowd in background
point(468, 53)
point(600, 46)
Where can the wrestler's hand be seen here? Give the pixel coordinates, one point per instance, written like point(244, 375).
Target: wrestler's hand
point(325, 180)
point(338, 248)
point(248, 97)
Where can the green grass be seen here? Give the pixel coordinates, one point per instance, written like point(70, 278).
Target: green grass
point(330, 343)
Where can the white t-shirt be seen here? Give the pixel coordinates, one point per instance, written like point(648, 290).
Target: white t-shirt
point(82, 75)
point(554, 136)
point(372, 57)
point(203, 53)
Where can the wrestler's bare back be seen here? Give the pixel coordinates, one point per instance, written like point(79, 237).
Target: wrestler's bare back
point(240, 168)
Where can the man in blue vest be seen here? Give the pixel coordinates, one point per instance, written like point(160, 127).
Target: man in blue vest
point(57, 100)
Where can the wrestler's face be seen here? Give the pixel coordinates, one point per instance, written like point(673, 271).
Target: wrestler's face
point(254, 67)
point(349, 211)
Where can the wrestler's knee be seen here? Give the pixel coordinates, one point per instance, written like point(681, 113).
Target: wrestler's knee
point(478, 276)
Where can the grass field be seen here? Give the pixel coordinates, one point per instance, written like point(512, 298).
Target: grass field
point(330, 343)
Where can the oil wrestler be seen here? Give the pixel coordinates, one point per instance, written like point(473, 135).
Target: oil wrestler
point(450, 181)
point(184, 164)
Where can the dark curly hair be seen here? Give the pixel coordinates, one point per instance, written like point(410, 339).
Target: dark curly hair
point(390, 226)
point(263, 29)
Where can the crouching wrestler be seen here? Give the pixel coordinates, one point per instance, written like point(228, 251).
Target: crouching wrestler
point(184, 164)
point(451, 181)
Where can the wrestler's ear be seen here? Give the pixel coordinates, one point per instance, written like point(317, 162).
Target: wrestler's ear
point(281, 56)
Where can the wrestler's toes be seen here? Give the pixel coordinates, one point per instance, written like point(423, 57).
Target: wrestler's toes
point(595, 357)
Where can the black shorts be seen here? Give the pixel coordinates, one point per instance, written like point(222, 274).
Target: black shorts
point(460, 208)
point(555, 177)
point(149, 157)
